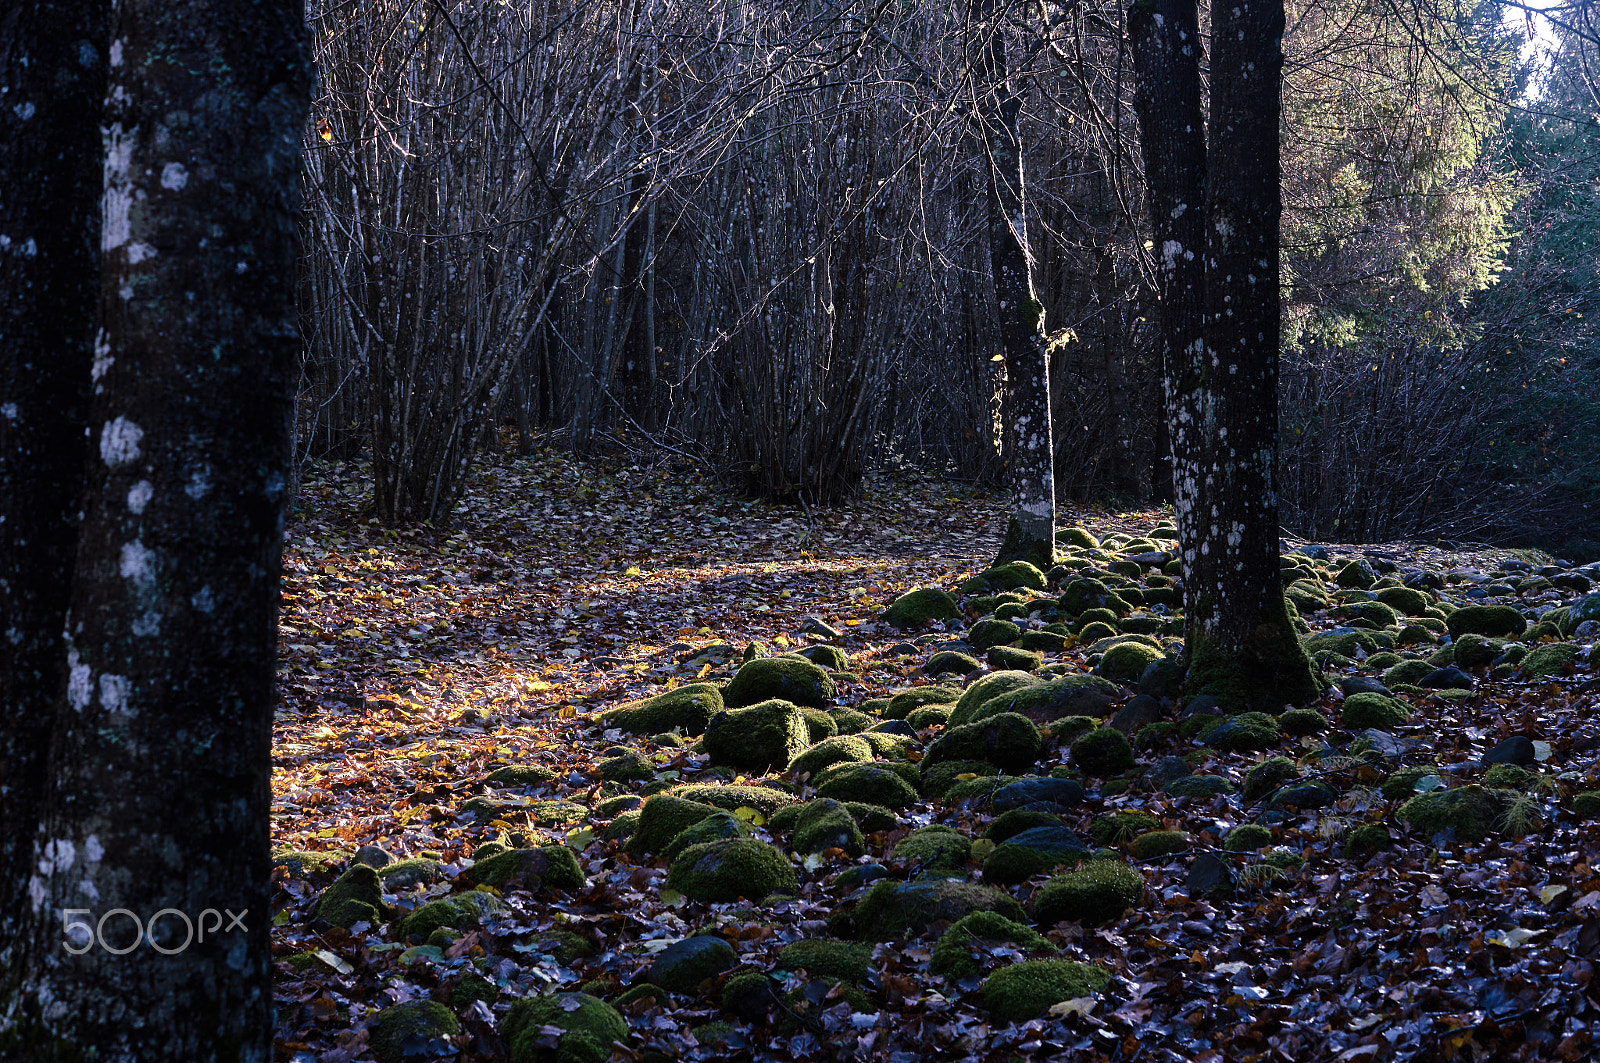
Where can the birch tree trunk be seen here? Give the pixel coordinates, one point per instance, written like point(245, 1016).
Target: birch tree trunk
point(146, 916)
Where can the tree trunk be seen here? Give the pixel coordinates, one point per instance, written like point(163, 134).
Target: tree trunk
point(1031, 533)
point(1215, 219)
point(52, 79)
point(147, 910)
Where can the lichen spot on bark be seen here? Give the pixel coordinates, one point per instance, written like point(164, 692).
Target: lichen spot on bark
point(203, 600)
point(139, 496)
point(114, 692)
point(138, 563)
point(174, 176)
point(80, 682)
point(119, 442)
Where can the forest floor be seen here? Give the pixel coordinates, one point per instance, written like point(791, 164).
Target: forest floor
point(416, 661)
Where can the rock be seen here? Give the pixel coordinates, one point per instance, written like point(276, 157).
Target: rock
point(354, 897)
point(731, 797)
point(1161, 679)
point(1008, 741)
point(1357, 574)
point(1039, 794)
point(953, 955)
point(629, 767)
point(1447, 678)
point(815, 625)
point(951, 662)
point(687, 708)
point(769, 733)
point(987, 633)
point(873, 784)
point(1362, 684)
point(410, 1030)
point(1126, 662)
point(1028, 852)
point(1246, 731)
point(937, 848)
point(1362, 711)
point(827, 958)
point(1098, 893)
point(530, 869)
point(1165, 771)
point(1202, 705)
point(374, 856)
point(1153, 845)
point(1468, 811)
point(683, 965)
point(825, 656)
point(1067, 695)
point(457, 913)
point(1304, 796)
point(903, 909)
point(1581, 612)
point(1103, 752)
point(827, 824)
point(904, 649)
point(894, 727)
point(1199, 786)
point(1491, 621)
point(918, 607)
point(731, 869)
point(1518, 750)
point(791, 679)
point(588, 1027)
point(906, 702)
point(1026, 990)
point(1010, 657)
point(715, 828)
point(1264, 777)
point(1140, 711)
point(1210, 876)
point(1386, 744)
point(408, 874)
point(1552, 659)
point(842, 749)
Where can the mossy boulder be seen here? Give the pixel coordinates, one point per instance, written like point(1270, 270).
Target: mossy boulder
point(1476, 651)
point(1017, 820)
point(951, 662)
point(1361, 711)
point(929, 716)
point(875, 784)
point(986, 633)
point(906, 702)
point(905, 909)
point(731, 869)
point(1118, 827)
point(354, 897)
point(1584, 609)
point(553, 866)
point(934, 848)
point(1126, 661)
point(937, 780)
point(850, 721)
point(1367, 839)
point(826, 656)
point(827, 824)
point(1263, 778)
point(768, 733)
point(1156, 844)
point(662, 818)
point(1247, 838)
point(1401, 785)
point(1103, 751)
point(1199, 786)
point(1064, 696)
point(687, 708)
point(1031, 851)
point(1300, 722)
point(791, 679)
point(1552, 659)
point(1028, 989)
point(1081, 538)
point(958, 950)
point(588, 1028)
point(827, 958)
point(1405, 600)
point(301, 864)
point(1099, 892)
point(986, 687)
point(1042, 641)
point(1246, 732)
point(1470, 811)
point(1493, 621)
point(628, 767)
point(1086, 592)
point(843, 749)
point(683, 966)
point(915, 608)
point(1009, 576)
point(1345, 642)
point(407, 1031)
point(749, 996)
point(457, 913)
point(715, 828)
point(1406, 673)
point(1013, 659)
point(1355, 574)
point(524, 775)
point(731, 797)
point(1008, 740)
point(410, 873)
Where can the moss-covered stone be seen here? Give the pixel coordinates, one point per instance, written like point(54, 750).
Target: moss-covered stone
point(301, 864)
point(1247, 838)
point(1552, 659)
point(820, 724)
point(687, 708)
point(457, 913)
point(1118, 827)
point(827, 958)
point(1013, 659)
point(903, 909)
point(1493, 621)
point(1300, 722)
point(828, 824)
point(1364, 710)
point(762, 735)
point(986, 687)
point(1367, 839)
point(410, 873)
point(1406, 673)
point(1401, 785)
point(1087, 592)
point(791, 679)
point(714, 828)
point(1042, 641)
point(553, 866)
point(1343, 643)
point(1153, 845)
point(1069, 695)
point(1126, 661)
point(1078, 537)
point(826, 656)
point(1356, 574)
point(749, 996)
point(683, 966)
point(929, 716)
point(1099, 892)
point(354, 897)
point(1475, 651)
point(1585, 804)
point(629, 767)
point(1103, 751)
point(1008, 740)
point(906, 702)
point(850, 721)
point(731, 797)
point(1028, 989)
point(589, 1027)
point(522, 775)
point(986, 633)
point(915, 608)
point(1089, 617)
point(1261, 779)
point(1199, 786)
point(1470, 811)
point(935, 848)
point(420, 1021)
point(622, 826)
point(957, 952)
point(843, 749)
point(729, 870)
point(937, 780)
point(1246, 732)
point(876, 784)
point(951, 662)
point(662, 818)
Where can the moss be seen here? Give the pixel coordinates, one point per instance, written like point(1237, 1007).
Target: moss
point(1097, 615)
point(1415, 635)
point(1246, 732)
point(850, 721)
point(1021, 546)
point(986, 633)
point(1097, 893)
point(1586, 804)
point(1018, 820)
point(662, 818)
point(1042, 641)
point(953, 953)
point(847, 749)
point(355, 896)
point(1406, 600)
point(1263, 778)
point(938, 780)
point(759, 736)
point(990, 686)
point(729, 870)
point(472, 987)
point(1492, 621)
point(1299, 722)
point(1158, 843)
point(1342, 643)
point(825, 656)
point(1471, 811)
point(1361, 711)
point(1118, 827)
point(589, 1026)
point(1511, 777)
point(425, 1019)
point(1553, 659)
point(457, 913)
point(407, 874)
point(1028, 989)
point(875, 784)
point(524, 775)
point(1247, 838)
point(1264, 672)
point(906, 702)
point(301, 864)
point(555, 866)
point(643, 992)
point(917, 607)
point(687, 708)
point(826, 958)
point(900, 909)
point(791, 679)
point(1367, 839)
point(1010, 575)
point(1081, 538)
point(1199, 786)
point(1103, 751)
point(827, 824)
point(1406, 673)
point(749, 996)
point(713, 828)
point(1009, 741)
point(1402, 785)
point(623, 825)
point(932, 716)
point(933, 848)
point(950, 662)
point(731, 797)
point(1126, 661)
point(1009, 657)
point(1475, 651)
point(629, 767)
point(1371, 615)
point(1073, 694)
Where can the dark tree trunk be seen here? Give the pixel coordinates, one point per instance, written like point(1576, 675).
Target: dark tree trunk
point(52, 80)
point(1215, 218)
point(147, 909)
point(1030, 536)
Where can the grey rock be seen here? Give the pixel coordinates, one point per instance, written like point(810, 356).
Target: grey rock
point(815, 625)
point(1046, 795)
point(1139, 712)
point(1362, 684)
point(1202, 704)
point(683, 965)
point(1167, 770)
point(1387, 744)
point(1447, 678)
point(373, 856)
point(1161, 679)
point(1209, 876)
point(1305, 796)
point(1518, 750)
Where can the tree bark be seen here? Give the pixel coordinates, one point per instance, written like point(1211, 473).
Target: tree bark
point(1215, 217)
point(52, 82)
point(147, 905)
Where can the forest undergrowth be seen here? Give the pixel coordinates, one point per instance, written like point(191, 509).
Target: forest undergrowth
point(442, 692)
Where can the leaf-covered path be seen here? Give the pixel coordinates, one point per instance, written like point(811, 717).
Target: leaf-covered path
point(1393, 894)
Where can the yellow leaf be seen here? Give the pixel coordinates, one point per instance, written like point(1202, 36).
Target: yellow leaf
point(672, 899)
point(852, 623)
point(631, 570)
point(1075, 1006)
point(1550, 893)
point(567, 712)
point(704, 668)
point(750, 816)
